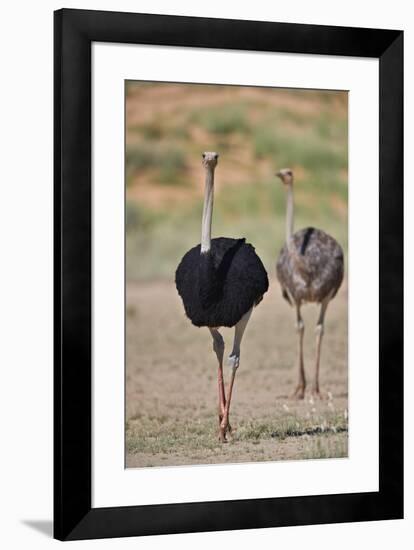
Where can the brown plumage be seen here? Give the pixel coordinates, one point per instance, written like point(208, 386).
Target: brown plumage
point(310, 268)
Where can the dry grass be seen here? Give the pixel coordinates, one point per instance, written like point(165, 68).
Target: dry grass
point(171, 385)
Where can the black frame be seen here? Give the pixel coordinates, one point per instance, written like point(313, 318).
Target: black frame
point(74, 32)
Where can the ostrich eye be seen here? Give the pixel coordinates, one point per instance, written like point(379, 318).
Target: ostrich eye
point(203, 155)
point(216, 156)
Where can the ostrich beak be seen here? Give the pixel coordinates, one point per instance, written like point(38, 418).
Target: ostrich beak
point(279, 174)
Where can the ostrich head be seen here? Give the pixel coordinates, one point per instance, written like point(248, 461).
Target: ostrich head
point(210, 159)
point(286, 175)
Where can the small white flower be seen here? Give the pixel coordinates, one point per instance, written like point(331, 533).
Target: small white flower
point(311, 401)
point(285, 407)
point(313, 409)
point(329, 396)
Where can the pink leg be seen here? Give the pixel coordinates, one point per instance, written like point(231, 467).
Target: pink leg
point(234, 361)
point(225, 424)
point(218, 346)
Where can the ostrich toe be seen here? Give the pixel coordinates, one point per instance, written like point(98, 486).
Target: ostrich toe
point(299, 392)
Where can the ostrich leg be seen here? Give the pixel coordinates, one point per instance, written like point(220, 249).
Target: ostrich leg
point(319, 334)
point(299, 392)
point(218, 347)
point(234, 360)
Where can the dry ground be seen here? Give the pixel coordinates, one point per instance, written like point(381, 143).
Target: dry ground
point(171, 384)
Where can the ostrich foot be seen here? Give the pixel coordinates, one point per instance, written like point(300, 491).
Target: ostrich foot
point(225, 432)
point(222, 436)
point(225, 428)
point(317, 393)
point(299, 392)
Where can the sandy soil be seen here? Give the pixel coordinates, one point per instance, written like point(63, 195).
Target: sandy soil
point(171, 384)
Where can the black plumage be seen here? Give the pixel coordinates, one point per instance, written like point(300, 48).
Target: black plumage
point(219, 286)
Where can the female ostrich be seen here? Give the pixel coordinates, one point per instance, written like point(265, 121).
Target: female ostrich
point(220, 281)
point(310, 268)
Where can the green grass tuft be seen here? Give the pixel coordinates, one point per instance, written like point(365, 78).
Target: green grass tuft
point(306, 150)
point(168, 159)
point(223, 120)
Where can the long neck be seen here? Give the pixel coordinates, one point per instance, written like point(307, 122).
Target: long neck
point(207, 210)
point(289, 213)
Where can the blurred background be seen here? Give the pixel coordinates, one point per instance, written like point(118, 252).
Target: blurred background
point(256, 131)
point(171, 385)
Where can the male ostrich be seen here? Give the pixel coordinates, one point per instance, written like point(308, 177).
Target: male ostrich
point(310, 268)
point(220, 281)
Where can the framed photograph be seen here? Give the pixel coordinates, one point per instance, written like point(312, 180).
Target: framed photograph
point(228, 274)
